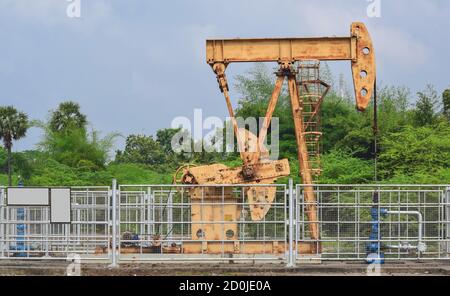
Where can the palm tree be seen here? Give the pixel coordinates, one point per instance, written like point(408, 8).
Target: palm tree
point(13, 126)
point(66, 117)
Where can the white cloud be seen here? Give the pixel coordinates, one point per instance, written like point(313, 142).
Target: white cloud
point(399, 48)
point(328, 19)
point(48, 12)
point(394, 45)
point(193, 38)
point(51, 13)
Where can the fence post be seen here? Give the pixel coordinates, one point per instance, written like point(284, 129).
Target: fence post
point(447, 218)
point(114, 224)
point(291, 258)
point(2, 236)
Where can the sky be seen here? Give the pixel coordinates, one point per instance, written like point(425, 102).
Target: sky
point(135, 65)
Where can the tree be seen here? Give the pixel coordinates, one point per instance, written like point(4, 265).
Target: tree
point(255, 89)
point(67, 117)
point(393, 108)
point(3, 161)
point(342, 168)
point(256, 85)
point(164, 137)
point(77, 148)
point(415, 150)
point(446, 103)
point(67, 140)
point(425, 113)
point(13, 126)
point(141, 149)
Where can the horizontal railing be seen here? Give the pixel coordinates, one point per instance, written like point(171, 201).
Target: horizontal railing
point(214, 223)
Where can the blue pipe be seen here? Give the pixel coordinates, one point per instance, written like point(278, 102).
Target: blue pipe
point(20, 231)
point(373, 247)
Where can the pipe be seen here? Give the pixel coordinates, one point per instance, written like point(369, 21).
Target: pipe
point(421, 246)
point(373, 248)
point(402, 247)
point(20, 231)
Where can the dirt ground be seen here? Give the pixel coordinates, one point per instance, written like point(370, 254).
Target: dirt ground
point(40, 268)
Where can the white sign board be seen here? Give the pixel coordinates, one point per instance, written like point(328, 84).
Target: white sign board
point(60, 205)
point(21, 196)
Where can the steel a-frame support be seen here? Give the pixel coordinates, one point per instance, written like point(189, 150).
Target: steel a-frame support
point(286, 71)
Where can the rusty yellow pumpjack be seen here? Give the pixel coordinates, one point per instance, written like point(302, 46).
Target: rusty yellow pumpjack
point(216, 210)
point(207, 238)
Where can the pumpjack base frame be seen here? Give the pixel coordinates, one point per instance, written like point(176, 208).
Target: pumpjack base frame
point(227, 247)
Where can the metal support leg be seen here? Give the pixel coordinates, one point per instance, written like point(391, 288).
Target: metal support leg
point(310, 199)
point(114, 224)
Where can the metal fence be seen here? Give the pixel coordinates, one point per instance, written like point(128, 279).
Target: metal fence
point(26, 232)
point(403, 222)
point(215, 223)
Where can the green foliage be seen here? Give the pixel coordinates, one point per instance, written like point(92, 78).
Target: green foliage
point(50, 172)
point(13, 126)
point(4, 179)
point(414, 142)
point(426, 106)
point(164, 138)
point(77, 148)
point(440, 176)
point(142, 150)
point(348, 140)
point(352, 131)
point(45, 171)
point(255, 86)
point(67, 117)
point(138, 174)
point(344, 128)
point(446, 104)
point(3, 160)
point(415, 150)
point(255, 89)
point(145, 150)
point(341, 168)
point(393, 108)
point(67, 140)
point(22, 165)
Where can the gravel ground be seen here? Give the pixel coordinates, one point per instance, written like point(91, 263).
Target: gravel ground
point(37, 268)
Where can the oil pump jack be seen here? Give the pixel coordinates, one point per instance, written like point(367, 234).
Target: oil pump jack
point(257, 168)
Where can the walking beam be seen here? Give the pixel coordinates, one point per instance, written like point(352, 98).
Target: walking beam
point(357, 48)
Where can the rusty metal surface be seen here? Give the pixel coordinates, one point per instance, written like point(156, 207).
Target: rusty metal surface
point(312, 92)
point(363, 67)
point(279, 49)
point(291, 50)
point(256, 167)
point(356, 48)
point(303, 156)
point(259, 199)
point(221, 174)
